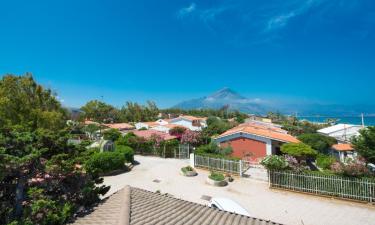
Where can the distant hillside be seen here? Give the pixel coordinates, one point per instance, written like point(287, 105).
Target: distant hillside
point(221, 98)
point(234, 101)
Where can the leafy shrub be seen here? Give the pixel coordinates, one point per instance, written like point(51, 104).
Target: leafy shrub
point(42, 210)
point(216, 176)
point(324, 161)
point(317, 141)
point(293, 163)
point(274, 162)
point(354, 168)
point(111, 134)
point(104, 162)
point(215, 151)
point(298, 150)
point(127, 151)
point(187, 169)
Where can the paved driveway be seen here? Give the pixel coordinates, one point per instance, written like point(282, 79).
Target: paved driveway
point(255, 196)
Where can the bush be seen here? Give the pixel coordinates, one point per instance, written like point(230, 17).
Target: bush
point(105, 162)
point(213, 150)
point(274, 162)
point(216, 176)
point(187, 169)
point(317, 141)
point(324, 161)
point(127, 151)
point(111, 134)
point(298, 150)
point(355, 168)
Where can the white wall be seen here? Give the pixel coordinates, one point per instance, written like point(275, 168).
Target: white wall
point(185, 123)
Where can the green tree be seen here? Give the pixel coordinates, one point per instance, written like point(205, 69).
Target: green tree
point(365, 144)
point(216, 126)
point(317, 141)
point(34, 153)
point(100, 112)
point(24, 102)
point(298, 150)
point(111, 134)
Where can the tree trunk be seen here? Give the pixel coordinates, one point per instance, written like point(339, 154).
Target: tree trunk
point(20, 196)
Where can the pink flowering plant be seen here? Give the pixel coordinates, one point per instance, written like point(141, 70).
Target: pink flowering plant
point(190, 137)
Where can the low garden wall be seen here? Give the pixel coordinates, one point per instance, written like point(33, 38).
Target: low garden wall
point(360, 189)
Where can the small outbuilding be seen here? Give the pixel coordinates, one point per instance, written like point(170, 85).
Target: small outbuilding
point(343, 152)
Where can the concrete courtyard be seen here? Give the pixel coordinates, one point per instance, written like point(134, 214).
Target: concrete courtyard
point(255, 196)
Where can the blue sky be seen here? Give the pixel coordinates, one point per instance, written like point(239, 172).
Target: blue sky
point(167, 51)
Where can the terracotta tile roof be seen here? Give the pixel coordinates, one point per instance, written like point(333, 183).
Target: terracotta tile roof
point(88, 122)
point(149, 133)
point(151, 124)
point(120, 126)
point(133, 206)
point(191, 118)
point(258, 130)
point(342, 147)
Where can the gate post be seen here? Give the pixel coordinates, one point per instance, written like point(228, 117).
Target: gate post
point(192, 160)
point(241, 168)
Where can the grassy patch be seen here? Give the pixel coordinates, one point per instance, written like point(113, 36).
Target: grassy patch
point(216, 176)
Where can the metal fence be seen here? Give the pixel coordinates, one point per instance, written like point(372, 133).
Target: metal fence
point(219, 164)
point(329, 185)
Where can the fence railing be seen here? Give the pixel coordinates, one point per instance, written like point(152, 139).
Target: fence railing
point(219, 164)
point(327, 185)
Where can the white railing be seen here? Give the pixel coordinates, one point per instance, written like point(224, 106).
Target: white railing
point(329, 185)
point(219, 164)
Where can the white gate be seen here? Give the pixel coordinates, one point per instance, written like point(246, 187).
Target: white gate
point(183, 151)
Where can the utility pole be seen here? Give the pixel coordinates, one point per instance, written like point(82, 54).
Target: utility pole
point(363, 120)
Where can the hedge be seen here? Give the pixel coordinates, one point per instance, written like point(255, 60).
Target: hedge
point(127, 151)
point(105, 162)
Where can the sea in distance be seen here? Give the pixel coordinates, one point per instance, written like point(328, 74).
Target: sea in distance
point(369, 120)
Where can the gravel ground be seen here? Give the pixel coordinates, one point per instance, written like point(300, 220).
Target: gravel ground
point(255, 196)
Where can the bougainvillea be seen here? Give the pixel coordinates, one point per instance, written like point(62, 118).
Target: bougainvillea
point(190, 137)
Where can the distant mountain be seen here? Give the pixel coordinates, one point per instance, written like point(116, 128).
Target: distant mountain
point(235, 101)
point(224, 97)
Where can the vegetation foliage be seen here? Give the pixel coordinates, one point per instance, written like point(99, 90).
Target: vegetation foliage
point(365, 144)
point(216, 176)
point(298, 150)
point(317, 141)
point(42, 178)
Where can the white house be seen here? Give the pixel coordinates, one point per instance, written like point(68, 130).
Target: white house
point(342, 132)
point(149, 125)
point(165, 128)
point(343, 152)
point(191, 122)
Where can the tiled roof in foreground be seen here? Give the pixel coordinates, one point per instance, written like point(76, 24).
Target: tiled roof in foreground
point(133, 206)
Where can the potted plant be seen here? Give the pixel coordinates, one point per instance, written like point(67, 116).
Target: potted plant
point(229, 177)
point(216, 179)
point(188, 171)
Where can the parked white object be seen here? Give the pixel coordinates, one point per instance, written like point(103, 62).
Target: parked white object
point(228, 205)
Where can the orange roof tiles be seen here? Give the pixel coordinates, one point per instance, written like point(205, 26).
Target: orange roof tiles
point(258, 130)
point(342, 147)
point(149, 133)
point(120, 126)
point(193, 117)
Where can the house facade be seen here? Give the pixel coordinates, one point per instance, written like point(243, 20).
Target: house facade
point(254, 141)
point(343, 152)
point(191, 122)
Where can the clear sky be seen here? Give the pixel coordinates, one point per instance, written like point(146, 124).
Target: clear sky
point(167, 51)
